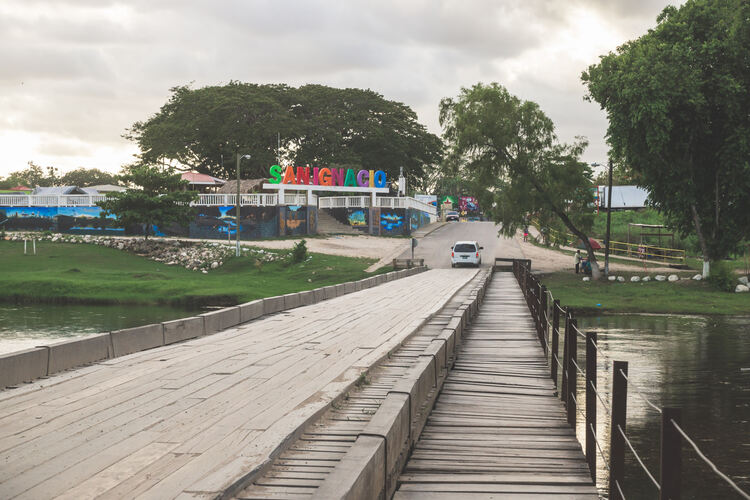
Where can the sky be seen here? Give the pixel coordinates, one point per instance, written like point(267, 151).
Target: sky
point(76, 74)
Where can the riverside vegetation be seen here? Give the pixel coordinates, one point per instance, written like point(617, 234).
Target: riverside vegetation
point(92, 274)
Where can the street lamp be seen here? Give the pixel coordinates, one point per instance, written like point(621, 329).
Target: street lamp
point(609, 218)
point(239, 159)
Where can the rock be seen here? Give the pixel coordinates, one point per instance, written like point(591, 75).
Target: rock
point(743, 280)
point(635, 279)
point(742, 289)
point(697, 277)
point(660, 277)
point(646, 278)
point(621, 279)
point(214, 265)
point(204, 271)
point(673, 278)
point(586, 278)
point(121, 246)
point(612, 278)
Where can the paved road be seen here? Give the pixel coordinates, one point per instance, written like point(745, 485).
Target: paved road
point(189, 419)
point(435, 248)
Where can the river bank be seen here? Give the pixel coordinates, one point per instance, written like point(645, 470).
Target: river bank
point(63, 273)
point(681, 297)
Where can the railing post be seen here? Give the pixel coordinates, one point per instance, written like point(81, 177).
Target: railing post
point(616, 439)
point(591, 403)
point(671, 459)
point(572, 373)
point(564, 388)
point(543, 319)
point(555, 339)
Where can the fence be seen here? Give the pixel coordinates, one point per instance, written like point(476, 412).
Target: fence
point(673, 256)
point(380, 201)
point(672, 434)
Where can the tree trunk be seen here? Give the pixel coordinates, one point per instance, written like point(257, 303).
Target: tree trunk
point(595, 272)
point(702, 241)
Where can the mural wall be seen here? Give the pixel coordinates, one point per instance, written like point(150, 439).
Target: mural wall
point(209, 222)
point(357, 218)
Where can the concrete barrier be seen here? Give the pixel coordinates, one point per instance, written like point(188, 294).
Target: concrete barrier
point(78, 352)
point(319, 294)
point(23, 366)
point(349, 287)
point(340, 289)
point(330, 292)
point(136, 339)
point(392, 422)
point(307, 298)
point(182, 329)
point(359, 475)
point(222, 319)
point(273, 305)
point(251, 310)
point(439, 351)
point(291, 301)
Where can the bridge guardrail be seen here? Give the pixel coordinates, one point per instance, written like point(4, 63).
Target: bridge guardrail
point(672, 434)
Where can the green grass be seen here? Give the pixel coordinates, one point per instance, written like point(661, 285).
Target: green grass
point(683, 297)
point(80, 273)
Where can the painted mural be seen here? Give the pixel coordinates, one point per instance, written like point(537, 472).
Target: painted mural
point(468, 204)
point(417, 219)
point(221, 222)
point(294, 221)
point(357, 218)
point(75, 220)
point(392, 222)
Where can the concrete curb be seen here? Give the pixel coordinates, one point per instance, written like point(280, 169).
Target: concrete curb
point(370, 468)
point(30, 364)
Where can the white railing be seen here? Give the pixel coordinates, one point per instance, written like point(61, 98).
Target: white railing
point(252, 199)
point(380, 201)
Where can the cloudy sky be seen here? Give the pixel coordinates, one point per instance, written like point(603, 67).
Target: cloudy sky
point(74, 74)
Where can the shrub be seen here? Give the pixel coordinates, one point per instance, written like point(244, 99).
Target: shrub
point(299, 252)
point(722, 277)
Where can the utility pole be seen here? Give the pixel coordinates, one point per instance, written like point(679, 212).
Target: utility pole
point(609, 218)
point(237, 202)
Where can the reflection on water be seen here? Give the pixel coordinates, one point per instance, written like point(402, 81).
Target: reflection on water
point(689, 362)
point(24, 326)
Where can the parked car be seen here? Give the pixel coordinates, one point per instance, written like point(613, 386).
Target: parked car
point(452, 215)
point(466, 253)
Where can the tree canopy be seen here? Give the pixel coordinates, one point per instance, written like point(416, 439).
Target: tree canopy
point(510, 147)
point(156, 196)
point(315, 124)
point(36, 175)
point(677, 101)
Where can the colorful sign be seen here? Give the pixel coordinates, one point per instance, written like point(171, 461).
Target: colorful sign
point(468, 204)
point(327, 177)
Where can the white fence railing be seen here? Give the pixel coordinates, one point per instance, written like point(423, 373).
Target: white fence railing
point(252, 199)
point(380, 201)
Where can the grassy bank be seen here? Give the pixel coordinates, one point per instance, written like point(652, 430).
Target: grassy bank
point(682, 297)
point(79, 273)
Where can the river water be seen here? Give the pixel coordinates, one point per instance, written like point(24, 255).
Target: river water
point(690, 362)
point(24, 326)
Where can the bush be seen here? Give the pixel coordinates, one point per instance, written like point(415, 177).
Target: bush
point(299, 252)
point(722, 277)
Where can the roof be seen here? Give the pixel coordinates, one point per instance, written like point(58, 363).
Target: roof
point(107, 188)
point(20, 188)
point(246, 186)
point(62, 190)
point(202, 179)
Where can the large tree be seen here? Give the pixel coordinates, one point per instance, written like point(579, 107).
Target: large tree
point(156, 196)
point(510, 147)
point(678, 101)
point(84, 177)
point(311, 124)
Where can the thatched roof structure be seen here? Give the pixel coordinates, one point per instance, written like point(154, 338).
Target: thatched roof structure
point(246, 186)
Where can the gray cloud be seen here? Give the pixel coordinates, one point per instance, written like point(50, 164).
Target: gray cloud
point(79, 72)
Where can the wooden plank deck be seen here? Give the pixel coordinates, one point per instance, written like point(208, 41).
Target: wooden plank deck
point(309, 461)
point(190, 419)
point(497, 430)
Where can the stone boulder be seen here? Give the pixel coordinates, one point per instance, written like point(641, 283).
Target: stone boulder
point(660, 277)
point(646, 279)
point(673, 278)
point(743, 280)
point(742, 289)
point(697, 277)
point(621, 279)
point(635, 279)
point(586, 278)
point(612, 278)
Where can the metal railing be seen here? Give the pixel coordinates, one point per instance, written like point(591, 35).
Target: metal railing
point(210, 199)
point(542, 305)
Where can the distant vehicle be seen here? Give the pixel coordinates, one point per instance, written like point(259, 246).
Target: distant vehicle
point(452, 215)
point(466, 253)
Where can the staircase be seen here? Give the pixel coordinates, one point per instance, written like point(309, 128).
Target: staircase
point(327, 224)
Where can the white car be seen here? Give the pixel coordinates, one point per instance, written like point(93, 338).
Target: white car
point(466, 253)
point(451, 216)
